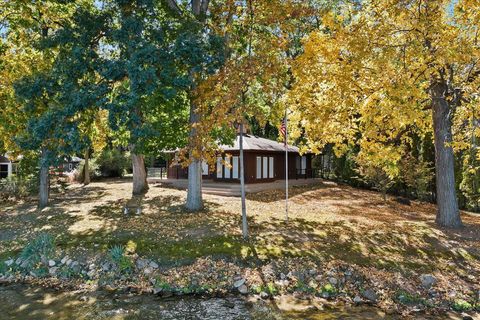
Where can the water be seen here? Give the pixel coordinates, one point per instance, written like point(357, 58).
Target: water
point(24, 302)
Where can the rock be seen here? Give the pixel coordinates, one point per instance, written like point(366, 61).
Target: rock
point(282, 283)
point(333, 281)
point(141, 263)
point(64, 260)
point(83, 298)
point(370, 295)
point(51, 263)
point(243, 289)
point(106, 266)
point(239, 283)
point(153, 265)
point(91, 266)
point(53, 271)
point(19, 261)
point(9, 262)
point(264, 295)
point(466, 317)
point(283, 276)
point(148, 270)
point(428, 280)
point(157, 291)
point(357, 299)
point(91, 273)
point(75, 266)
point(325, 295)
point(68, 262)
point(229, 304)
point(312, 272)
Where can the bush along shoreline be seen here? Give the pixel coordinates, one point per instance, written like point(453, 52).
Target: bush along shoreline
point(122, 270)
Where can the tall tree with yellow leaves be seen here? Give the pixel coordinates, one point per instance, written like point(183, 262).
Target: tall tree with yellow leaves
point(380, 69)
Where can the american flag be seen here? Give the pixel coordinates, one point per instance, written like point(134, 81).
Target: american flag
point(283, 131)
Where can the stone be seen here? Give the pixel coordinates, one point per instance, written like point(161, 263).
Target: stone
point(148, 270)
point(283, 276)
point(239, 283)
point(243, 289)
point(53, 271)
point(157, 291)
point(83, 298)
point(370, 295)
point(19, 261)
point(428, 280)
point(282, 283)
point(466, 317)
point(141, 263)
point(357, 299)
point(106, 266)
point(333, 281)
point(312, 272)
point(264, 295)
point(9, 262)
point(91, 273)
point(51, 263)
point(68, 262)
point(153, 265)
point(91, 266)
point(75, 266)
point(64, 260)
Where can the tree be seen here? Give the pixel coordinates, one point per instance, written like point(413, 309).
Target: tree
point(28, 25)
point(381, 69)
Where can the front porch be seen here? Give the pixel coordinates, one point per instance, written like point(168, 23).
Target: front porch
point(233, 189)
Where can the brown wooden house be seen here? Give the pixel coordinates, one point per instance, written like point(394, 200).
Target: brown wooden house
point(264, 162)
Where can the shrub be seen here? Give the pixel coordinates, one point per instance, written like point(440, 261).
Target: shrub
point(118, 257)
point(113, 163)
point(93, 168)
point(18, 187)
point(39, 250)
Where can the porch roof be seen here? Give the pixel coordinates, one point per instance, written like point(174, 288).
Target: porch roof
point(251, 142)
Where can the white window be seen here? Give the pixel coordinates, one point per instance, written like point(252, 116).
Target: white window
point(304, 163)
point(204, 168)
point(219, 168)
point(270, 167)
point(227, 168)
point(265, 167)
point(259, 167)
point(235, 168)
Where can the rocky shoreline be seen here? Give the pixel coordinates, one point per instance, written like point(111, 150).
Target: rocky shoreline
point(405, 294)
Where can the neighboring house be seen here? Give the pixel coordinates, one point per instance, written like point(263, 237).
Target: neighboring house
point(7, 167)
point(70, 164)
point(264, 162)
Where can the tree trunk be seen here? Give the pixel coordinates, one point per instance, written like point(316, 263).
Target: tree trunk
point(86, 169)
point(194, 192)
point(242, 185)
point(447, 215)
point(44, 189)
point(140, 184)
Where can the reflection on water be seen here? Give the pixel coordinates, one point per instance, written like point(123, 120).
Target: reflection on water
point(23, 302)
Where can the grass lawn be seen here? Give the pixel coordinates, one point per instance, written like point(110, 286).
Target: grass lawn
point(328, 223)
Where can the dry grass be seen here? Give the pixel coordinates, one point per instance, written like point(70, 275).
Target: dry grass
point(327, 222)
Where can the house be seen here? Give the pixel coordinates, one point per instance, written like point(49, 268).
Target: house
point(7, 167)
point(264, 162)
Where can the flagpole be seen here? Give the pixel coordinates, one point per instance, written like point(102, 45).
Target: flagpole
point(286, 166)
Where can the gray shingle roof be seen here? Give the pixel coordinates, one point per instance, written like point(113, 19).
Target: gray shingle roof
point(251, 142)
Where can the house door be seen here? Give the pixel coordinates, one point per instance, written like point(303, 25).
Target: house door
point(301, 166)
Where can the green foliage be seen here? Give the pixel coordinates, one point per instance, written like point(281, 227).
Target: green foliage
point(461, 305)
point(328, 288)
point(16, 186)
point(118, 257)
point(93, 168)
point(408, 298)
point(38, 251)
point(113, 163)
